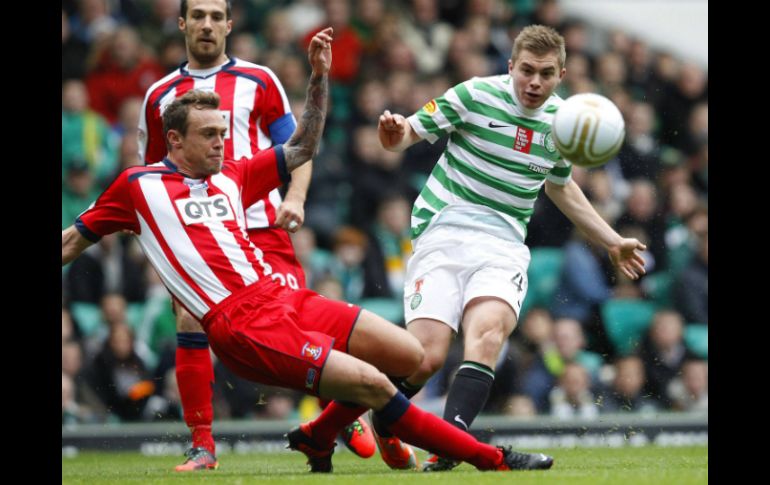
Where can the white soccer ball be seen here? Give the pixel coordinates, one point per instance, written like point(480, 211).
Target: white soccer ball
point(588, 129)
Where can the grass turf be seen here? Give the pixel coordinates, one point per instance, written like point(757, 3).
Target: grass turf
point(628, 466)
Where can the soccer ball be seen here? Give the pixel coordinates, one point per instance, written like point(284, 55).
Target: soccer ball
point(588, 129)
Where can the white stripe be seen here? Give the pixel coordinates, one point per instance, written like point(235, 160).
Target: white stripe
point(275, 198)
point(243, 104)
point(171, 278)
point(420, 130)
point(230, 247)
point(457, 105)
point(176, 237)
point(492, 170)
point(230, 189)
point(256, 216)
point(263, 139)
point(504, 152)
point(205, 84)
point(480, 188)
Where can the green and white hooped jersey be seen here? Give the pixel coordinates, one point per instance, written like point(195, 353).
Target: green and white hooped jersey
point(498, 157)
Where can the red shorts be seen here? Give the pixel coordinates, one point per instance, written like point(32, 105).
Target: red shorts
point(266, 333)
point(278, 252)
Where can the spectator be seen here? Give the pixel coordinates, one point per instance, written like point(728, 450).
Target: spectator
point(690, 392)
point(85, 136)
point(691, 288)
point(572, 397)
point(626, 393)
point(119, 376)
point(663, 352)
point(123, 69)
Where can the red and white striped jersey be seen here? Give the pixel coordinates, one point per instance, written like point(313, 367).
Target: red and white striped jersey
point(191, 230)
point(253, 104)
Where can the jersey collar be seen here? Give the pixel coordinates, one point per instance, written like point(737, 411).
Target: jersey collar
point(205, 73)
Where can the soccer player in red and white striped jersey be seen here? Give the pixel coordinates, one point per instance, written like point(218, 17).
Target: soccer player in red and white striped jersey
point(257, 115)
point(187, 212)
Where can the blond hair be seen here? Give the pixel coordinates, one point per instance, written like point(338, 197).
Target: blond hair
point(540, 40)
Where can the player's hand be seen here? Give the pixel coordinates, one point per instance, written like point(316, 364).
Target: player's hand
point(391, 129)
point(625, 257)
point(290, 215)
point(319, 53)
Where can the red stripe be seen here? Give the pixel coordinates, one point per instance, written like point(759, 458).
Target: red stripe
point(202, 238)
point(141, 205)
point(225, 87)
point(269, 211)
point(256, 112)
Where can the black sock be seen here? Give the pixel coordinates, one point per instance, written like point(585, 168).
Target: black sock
point(468, 394)
point(407, 390)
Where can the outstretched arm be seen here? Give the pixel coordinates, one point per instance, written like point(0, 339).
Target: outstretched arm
point(623, 251)
point(72, 244)
point(306, 138)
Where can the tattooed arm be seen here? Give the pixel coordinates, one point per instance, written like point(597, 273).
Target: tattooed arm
point(304, 142)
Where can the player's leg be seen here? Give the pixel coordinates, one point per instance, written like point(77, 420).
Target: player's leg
point(195, 376)
point(488, 319)
point(351, 380)
point(432, 304)
point(278, 252)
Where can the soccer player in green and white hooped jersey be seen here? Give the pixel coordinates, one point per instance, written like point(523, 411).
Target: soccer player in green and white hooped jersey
point(469, 223)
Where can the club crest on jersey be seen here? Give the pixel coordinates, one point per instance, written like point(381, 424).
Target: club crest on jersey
point(416, 297)
point(205, 209)
point(430, 107)
point(310, 378)
point(548, 143)
point(312, 351)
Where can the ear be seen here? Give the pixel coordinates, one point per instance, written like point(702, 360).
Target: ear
point(562, 73)
point(182, 24)
point(174, 139)
point(229, 27)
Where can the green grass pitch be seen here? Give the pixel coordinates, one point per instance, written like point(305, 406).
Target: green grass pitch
point(626, 466)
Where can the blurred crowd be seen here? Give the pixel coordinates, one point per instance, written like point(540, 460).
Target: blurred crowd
point(589, 340)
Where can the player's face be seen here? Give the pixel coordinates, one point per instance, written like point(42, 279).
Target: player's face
point(205, 30)
point(203, 145)
point(535, 77)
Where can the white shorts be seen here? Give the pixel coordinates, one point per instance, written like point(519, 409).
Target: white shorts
point(452, 265)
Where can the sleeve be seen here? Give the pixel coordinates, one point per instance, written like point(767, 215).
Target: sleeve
point(442, 115)
point(113, 211)
point(152, 146)
point(276, 116)
point(561, 173)
point(261, 174)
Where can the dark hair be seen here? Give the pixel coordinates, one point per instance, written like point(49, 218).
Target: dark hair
point(228, 9)
point(175, 115)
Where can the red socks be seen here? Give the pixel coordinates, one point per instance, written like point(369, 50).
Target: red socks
point(195, 376)
point(330, 422)
point(420, 428)
point(412, 425)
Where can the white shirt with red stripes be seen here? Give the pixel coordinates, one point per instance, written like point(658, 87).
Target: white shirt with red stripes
point(191, 230)
point(253, 103)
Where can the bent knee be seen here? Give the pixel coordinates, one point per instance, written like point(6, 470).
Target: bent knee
point(488, 342)
point(373, 387)
point(414, 356)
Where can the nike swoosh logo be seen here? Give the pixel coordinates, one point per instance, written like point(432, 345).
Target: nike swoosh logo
point(460, 420)
point(492, 124)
